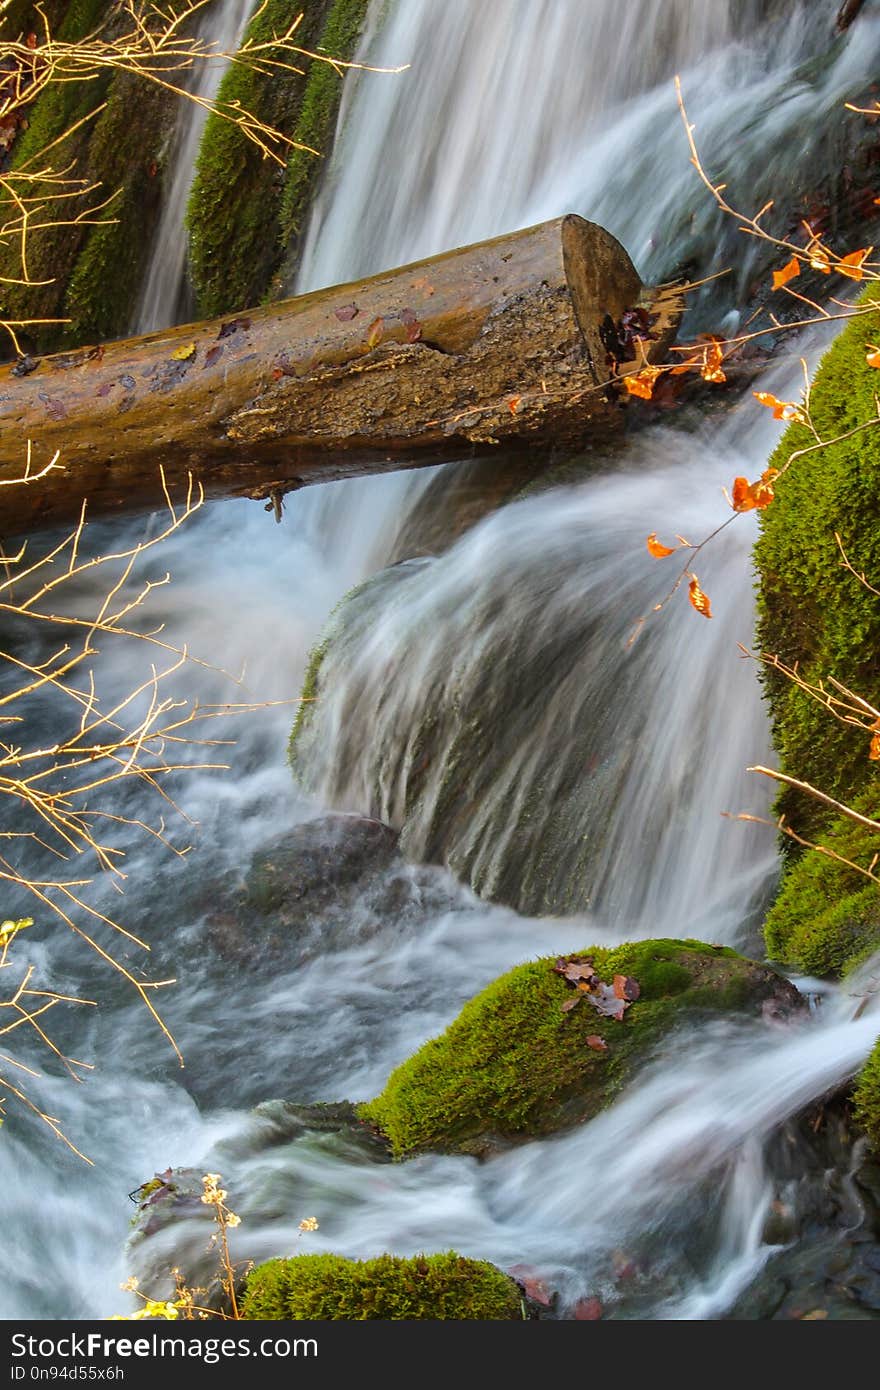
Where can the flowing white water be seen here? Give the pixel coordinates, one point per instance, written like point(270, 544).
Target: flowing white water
point(221, 26)
point(567, 769)
point(511, 112)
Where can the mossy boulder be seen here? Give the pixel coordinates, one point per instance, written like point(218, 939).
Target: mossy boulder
point(245, 209)
point(813, 613)
point(826, 917)
point(866, 1098)
point(468, 708)
point(514, 1065)
point(332, 1288)
point(91, 273)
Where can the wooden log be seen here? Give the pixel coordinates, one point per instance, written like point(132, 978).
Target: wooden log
point(512, 341)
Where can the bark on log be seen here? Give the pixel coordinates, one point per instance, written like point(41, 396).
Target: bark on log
point(505, 342)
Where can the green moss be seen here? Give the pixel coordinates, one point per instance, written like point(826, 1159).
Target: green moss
point(308, 695)
point(331, 1288)
point(314, 129)
point(93, 272)
point(243, 207)
point(58, 110)
point(513, 1065)
point(128, 157)
point(826, 917)
point(232, 217)
point(866, 1098)
point(812, 612)
point(334, 627)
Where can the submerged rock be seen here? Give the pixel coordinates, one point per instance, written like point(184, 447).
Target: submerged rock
point(306, 884)
point(825, 1219)
point(332, 1288)
point(533, 1053)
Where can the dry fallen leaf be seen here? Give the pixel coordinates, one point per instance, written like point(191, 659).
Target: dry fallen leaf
point(184, 353)
point(606, 1002)
point(588, 1310)
point(596, 1043)
point(530, 1280)
point(578, 970)
point(625, 987)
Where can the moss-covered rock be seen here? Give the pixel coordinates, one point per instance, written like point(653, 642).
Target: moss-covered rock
point(866, 1098)
point(317, 117)
point(513, 1065)
point(244, 208)
point(92, 272)
point(826, 917)
point(332, 1288)
point(812, 612)
point(20, 17)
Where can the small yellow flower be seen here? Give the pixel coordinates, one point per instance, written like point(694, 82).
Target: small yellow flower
point(130, 1284)
point(232, 1219)
point(309, 1223)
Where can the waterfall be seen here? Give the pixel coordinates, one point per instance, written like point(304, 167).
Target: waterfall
point(510, 112)
point(221, 26)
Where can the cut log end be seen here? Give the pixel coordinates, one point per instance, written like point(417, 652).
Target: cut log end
point(505, 342)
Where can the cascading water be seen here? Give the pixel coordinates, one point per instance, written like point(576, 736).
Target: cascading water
point(221, 27)
point(511, 112)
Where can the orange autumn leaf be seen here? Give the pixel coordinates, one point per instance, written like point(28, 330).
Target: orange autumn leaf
point(872, 357)
point(705, 357)
point(851, 265)
point(513, 403)
point(788, 272)
point(782, 410)
point(713, 374)
point(742, 500)
point(641, 383)
point(762, 491)
point(657, 549)
point(698, 599)
point(874, 750)
point(712, 359)
point(749, 496)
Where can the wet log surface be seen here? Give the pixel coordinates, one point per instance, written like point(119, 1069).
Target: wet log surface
point(513, 341)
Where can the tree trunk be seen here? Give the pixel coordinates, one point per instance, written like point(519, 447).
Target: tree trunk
point(512, 341)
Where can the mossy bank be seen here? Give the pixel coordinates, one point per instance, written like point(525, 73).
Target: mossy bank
point(515, 1065)
point(813, 612)
point(817, 615)
point(331, 1288)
